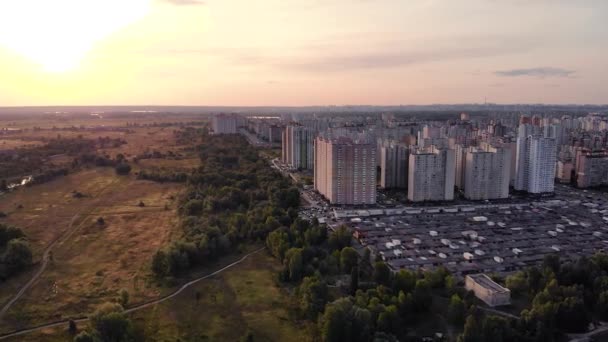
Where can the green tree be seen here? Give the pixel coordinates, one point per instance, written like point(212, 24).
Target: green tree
point(110, 323)
point(405, 281)
point(354, 280)
point(423, 297)
point(456, 310)
point(160, 264)
point(18, 255)
point(472, 331)
point(339, 239)
point(382, 274)
point(123, 297)
point(294, 263)
point(313, 296)
point(84, 336)
point(517, 283)
point(348, 259)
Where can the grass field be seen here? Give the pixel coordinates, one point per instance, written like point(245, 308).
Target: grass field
point(242, 300)
point(91, 262)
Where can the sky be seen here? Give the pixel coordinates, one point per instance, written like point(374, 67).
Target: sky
point(302, 52)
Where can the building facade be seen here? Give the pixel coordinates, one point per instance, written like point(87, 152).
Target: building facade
point(536, 161)
point(394, 166)
point(298, 147)
point(487, 172)
point(431, 175)
point(225, 124)
point(487, 290)
point(591, 168)
point(345, 170)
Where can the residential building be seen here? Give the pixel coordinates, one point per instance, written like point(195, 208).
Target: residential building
point(536, 161)
point(394, 165)
point(298, 147)
point(487, 172)
point(591, 168)
point(431, 175)
point(225, 124)
point(345, 170)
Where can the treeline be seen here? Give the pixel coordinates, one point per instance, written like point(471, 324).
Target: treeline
point(15, 252)
point(163, 176)
point(234, 196)
point(565, 298)
point(377, 305)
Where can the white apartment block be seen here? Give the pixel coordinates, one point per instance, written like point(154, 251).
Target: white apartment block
point(431, 175)
point(345, 170)
point(225, 124)
point(487, 172)
point(536, 162)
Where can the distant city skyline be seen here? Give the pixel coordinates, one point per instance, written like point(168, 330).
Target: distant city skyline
point(296, 53)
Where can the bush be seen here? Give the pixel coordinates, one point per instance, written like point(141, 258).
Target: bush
point(123, 169)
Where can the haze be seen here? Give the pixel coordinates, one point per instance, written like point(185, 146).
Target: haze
point(291, 52)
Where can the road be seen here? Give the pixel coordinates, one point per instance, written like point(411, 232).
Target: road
point(586, 337)
point(134, 308)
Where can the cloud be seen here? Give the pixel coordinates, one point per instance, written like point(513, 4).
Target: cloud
point(185, 2)
point(540, 72)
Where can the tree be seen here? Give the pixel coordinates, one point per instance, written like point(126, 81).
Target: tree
point(72, 329)
point(294, 263)
point(456, 310)
point(494, 328)
point(123, 297)
point(517, 283)
point(354, 280)
point(123, 169)
point(339, 239)
point(18, 255)
point(382, 274)
point(278, 243)
point(348, 259)
point(423, 297)
point(160, 264)
point(405, 281)
point(313, 296)
point(343, 321)
point(110, 323)
point(471, 331)
point(84, 336)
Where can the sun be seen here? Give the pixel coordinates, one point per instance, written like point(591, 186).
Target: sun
point(58, 34)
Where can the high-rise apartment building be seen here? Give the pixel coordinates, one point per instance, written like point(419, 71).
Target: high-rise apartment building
point(487, 172)
point(394, 165)
point(298, 147)
point(345, 170)
point(225, 124)
point(536, 161)
point(431, 175)
point(591, 168)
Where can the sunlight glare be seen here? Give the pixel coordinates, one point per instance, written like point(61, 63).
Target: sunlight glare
point(58, 34)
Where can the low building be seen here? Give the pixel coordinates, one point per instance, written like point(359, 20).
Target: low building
point(487, 290)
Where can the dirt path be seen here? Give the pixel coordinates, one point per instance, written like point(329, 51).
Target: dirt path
point(134, 308)
point(46, 256)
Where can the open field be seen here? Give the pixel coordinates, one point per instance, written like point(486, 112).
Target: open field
point(240, 301)
point(92, 262)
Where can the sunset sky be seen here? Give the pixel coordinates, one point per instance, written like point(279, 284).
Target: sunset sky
point(302, 52)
